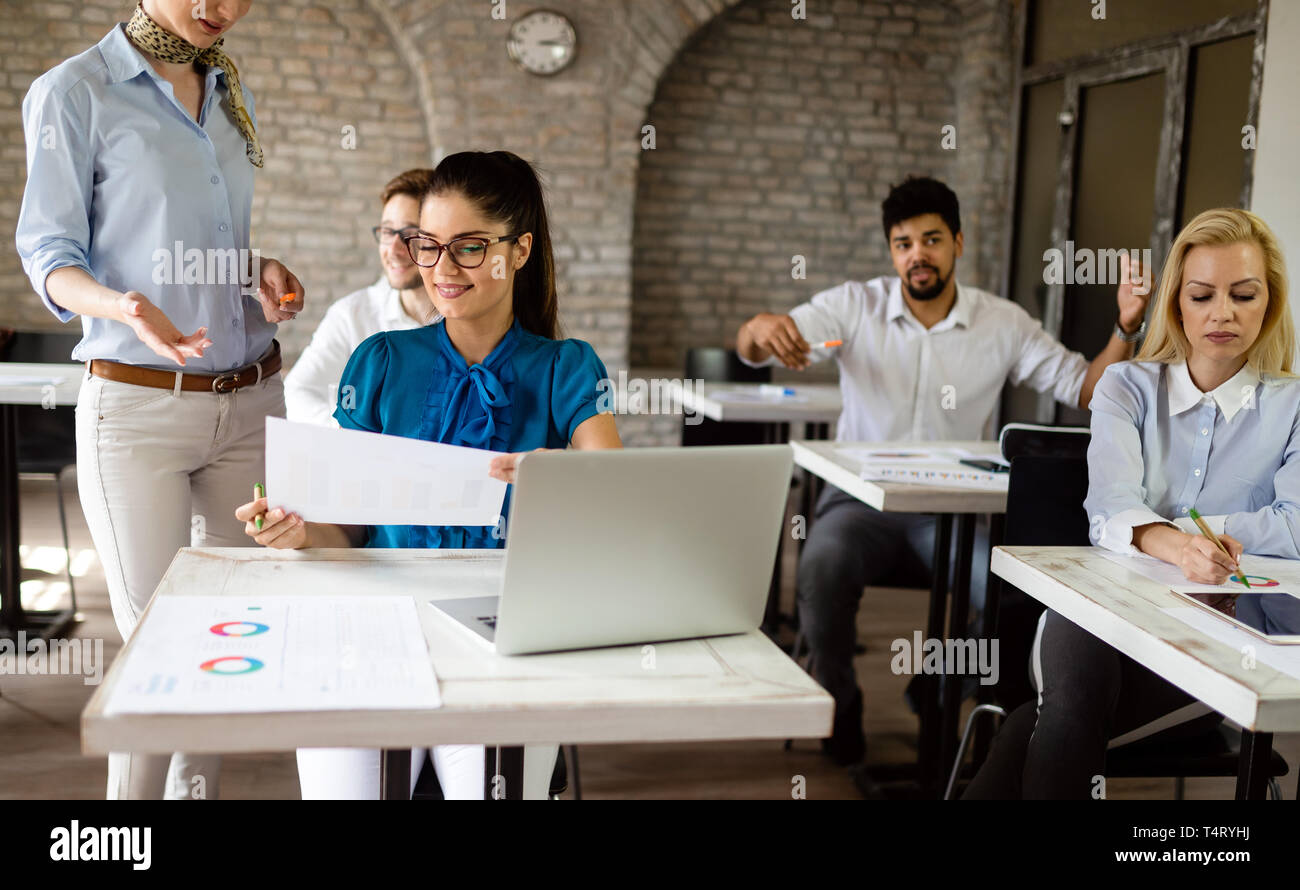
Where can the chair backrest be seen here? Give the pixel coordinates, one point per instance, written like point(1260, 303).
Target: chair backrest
point(37, 346)
point(1045, 501)
point(1049, 481)
point(47, 439)
point(1045, 441)
point(714, 363)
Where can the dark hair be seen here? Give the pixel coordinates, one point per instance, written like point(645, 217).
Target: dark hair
point(917, 196)
point(413, 183)
point(505, 188)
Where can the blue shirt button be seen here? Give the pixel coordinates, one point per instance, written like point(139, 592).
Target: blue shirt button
point(223, 227)
point(216, 179)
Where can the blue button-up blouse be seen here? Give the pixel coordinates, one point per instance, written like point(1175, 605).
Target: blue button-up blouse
point(530, 392)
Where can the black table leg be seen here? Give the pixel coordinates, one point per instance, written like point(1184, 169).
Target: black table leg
point(503, 773)
point(928, 755)
point(989, 631)
point(775, 434)
point(395, 774)
point(1252, 769)
point(957, 620)
point(11, 606)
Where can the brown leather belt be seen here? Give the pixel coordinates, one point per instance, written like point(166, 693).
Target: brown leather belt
point(218, 383)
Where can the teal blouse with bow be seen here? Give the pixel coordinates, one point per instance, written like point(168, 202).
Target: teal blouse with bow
point(530, 392)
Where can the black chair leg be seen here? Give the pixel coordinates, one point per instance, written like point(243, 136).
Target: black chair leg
point(577, 777)
point(67, 550)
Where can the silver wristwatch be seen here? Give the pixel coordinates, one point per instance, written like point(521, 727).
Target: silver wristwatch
point(1133, 337)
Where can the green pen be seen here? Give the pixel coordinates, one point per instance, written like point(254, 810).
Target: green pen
point(1205, 530)
point(258, 492)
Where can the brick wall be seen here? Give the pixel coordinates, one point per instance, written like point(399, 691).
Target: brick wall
point(779, 138)
point(315, 201)
point(423, 78)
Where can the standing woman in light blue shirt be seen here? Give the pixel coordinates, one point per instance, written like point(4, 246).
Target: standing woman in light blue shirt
point(140, 160)
point(1207, 418)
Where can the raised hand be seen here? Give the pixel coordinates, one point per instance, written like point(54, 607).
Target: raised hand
point(1133, 293)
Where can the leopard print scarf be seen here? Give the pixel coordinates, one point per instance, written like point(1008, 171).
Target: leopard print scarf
point(152, 38)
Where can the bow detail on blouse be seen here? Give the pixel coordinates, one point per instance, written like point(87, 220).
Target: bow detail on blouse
point(468, 416)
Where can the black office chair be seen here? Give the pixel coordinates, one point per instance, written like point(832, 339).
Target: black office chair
point(716, 365)
point(47, 437)
point(1048, 484)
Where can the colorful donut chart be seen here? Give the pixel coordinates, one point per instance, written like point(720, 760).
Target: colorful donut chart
point(215, 665)
point(1256, 580)
point(236, 628)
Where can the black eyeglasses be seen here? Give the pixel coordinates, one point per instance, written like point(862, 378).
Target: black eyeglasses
point(385, 235)
point(468, 252)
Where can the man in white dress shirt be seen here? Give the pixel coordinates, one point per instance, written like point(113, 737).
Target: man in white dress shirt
point(395, 302)
point(922, 359)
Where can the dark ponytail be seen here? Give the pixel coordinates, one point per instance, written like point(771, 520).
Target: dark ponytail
point(505, 188)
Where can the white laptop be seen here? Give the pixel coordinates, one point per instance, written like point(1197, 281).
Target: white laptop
point(634, 545)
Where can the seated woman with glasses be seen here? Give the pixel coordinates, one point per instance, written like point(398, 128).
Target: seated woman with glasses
point(492, 375)
point(1205, 419)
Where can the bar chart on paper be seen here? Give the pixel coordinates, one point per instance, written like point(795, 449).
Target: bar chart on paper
point(212, 654)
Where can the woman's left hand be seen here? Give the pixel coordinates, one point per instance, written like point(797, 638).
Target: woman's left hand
point(503, 466)
point(276, 282)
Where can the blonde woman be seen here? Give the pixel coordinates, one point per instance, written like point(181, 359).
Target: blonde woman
point(1205, 419)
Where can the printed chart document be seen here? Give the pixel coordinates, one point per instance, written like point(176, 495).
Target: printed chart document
point(224, 654)
point(1269, 573)
point(356, 478)
point(925, 465)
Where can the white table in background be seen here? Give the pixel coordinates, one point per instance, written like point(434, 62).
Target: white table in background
point(732, 687)
point(15, 391)
point(835, 463)
point(1125, 610)
point(812, 404)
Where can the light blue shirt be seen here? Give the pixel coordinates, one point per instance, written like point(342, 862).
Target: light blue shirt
point(1161, 447)
point(118, 173)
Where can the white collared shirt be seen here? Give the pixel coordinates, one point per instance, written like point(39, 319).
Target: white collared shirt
point(1161, 448)
point(902, 382)
point(311, 386)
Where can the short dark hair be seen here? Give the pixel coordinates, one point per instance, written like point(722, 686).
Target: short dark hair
point(412, 183)
point(917, 196)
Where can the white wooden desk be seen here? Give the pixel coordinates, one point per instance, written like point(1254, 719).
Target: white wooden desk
point(733, 687)
point(13, 617)
point(832, 462)
point(1123, 608)
point(742, 402)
